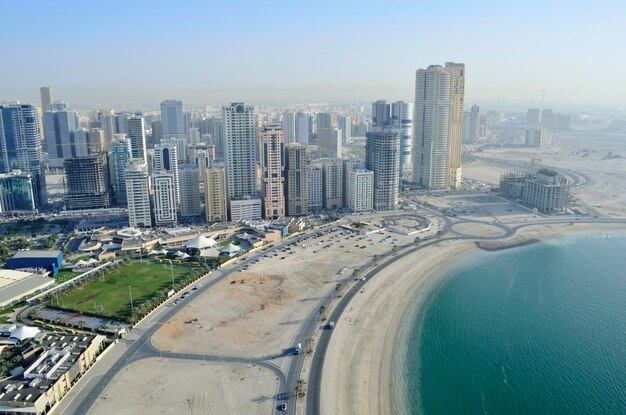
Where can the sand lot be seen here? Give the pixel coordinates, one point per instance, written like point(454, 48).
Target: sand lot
point(165, 386)
point(259, 311)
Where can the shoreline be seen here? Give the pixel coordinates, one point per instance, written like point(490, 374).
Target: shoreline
point(363, 369)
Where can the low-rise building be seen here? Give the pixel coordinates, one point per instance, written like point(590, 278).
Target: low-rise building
point(48, 260)
point(63, 359)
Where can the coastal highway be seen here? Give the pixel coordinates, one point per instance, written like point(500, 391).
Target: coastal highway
point(137, 345)
point(313, 397)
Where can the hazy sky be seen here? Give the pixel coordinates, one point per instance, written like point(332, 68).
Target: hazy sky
point(140, 52)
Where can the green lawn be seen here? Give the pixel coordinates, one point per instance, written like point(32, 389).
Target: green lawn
point(111, 297)
point(65, 275)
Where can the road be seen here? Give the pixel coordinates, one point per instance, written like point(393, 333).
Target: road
point(313, 398)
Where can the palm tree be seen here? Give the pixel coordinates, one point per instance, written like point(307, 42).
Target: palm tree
point(355, 273)
point(339, 288)
point(375, 259)
point(301, 388)
point(323, 312)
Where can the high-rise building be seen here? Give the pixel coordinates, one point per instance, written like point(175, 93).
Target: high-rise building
point(381, 114)
point(303, 128)
point(58, 125)
point(120, 121)
point(118, 158)
point(533, 116)
point(329, 142)
point(189, 191)
point(137, 136)
point(166, 159)
point(402, 119)
point(471, 130)
point(138, 193)
point(535, 137)
point(296, 189)
point(360, 190)
point(547, 118)
point(315, 188)
point(164, 193)
point(193, 136)
point(88, 142)
point(240, 151)
point(46, 97)
point(107, 122)
point(157, 132)
point(87, 183)
point(348, 166)
point(323, 120)
point(272, 177)
point(382, 156)
point(289, 126)
point(431, 126)
point(181, 146)
point(455, 133)
point(345, 125)
point(172, 118)
point(16, 192)
point(215, 196)
point(332, 170)
point(20, 146)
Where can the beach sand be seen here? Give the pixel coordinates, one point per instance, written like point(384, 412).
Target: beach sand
point(169, 386)
point(362, 364)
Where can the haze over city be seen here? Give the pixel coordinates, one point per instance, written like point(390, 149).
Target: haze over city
point(521, 53)
point(315, 208)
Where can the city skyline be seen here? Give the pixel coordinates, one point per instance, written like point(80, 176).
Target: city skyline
point(328, 57)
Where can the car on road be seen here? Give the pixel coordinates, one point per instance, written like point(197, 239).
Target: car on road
point(283, 406)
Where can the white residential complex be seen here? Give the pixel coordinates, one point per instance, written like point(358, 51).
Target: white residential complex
point(360, 190)
point(383, 158)
point(138, 194)
point(164, 199)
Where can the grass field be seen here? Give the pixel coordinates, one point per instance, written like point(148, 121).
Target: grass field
point(65, 275)
point(111, 297)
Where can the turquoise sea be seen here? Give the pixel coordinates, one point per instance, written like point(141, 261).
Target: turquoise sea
point(539, 329)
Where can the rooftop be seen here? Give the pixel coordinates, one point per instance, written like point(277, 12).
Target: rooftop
point(37, 254)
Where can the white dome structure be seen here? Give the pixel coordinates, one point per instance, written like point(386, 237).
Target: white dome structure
point(200, 242)
point(23, 333)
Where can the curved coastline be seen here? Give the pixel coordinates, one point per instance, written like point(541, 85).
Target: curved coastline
point(363, 369)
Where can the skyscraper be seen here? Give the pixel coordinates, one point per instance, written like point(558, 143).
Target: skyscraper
point(315, 188)
point(87, 142)
point(323, 120)
point(533, 116)
point(138, 194)
point(215, 194)
point(189, 191)
point(431, 126)
point(157, 132)
point(402, 119)
point(272, 179)
point(382, 156)
point(120, 154)
point(87, 183)
point(332, 170)
point(329, 142)
point(166, 159)
point(20, 146)
point(473, 127)
point(381, 114)
point(137, 136)
point(360, 190)
point(289, 127)
point(345, 125)
point(46, 97)
point(457, 95)
point(172, 118)
point(303, 128)
point(16, 192)
point(164, 199)
point(58, 125)
point(240, 151)
point(296, 179)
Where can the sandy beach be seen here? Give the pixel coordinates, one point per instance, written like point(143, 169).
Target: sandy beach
point(361, 366)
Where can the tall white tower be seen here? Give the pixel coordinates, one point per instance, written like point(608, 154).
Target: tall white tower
point(164, 199)
point(240, 151)
point(166, 159)
point(431, 127)
point(137, 194)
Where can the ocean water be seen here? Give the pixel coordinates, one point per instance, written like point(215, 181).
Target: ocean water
point(539, 329)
